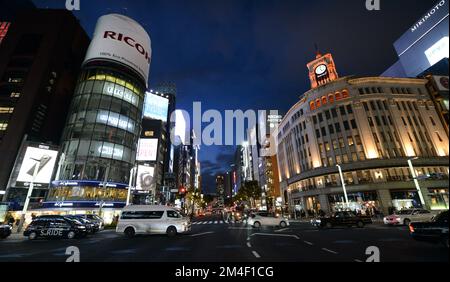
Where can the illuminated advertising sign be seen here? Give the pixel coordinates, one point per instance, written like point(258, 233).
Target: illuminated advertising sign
point(438, 51)
point(156, 107)
point(145, 180)
point(43, 158)
point(121, 39)
point(147, 149)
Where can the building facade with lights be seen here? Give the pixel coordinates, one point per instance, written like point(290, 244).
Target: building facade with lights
point(370, 127)
point(104, 124)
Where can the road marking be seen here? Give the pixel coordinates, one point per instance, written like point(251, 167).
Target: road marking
point(210, 222)
point(281, 230)
point(221, 222)
point(249, 244)
point(240, 228)
point(330, 251)
point(205, 222)
point(278, 235)
point(256, 254)
point(357, 260)
point(309, 243)
point(176, 249)
point(199, 234)
point(248, 238)
point(216, 222)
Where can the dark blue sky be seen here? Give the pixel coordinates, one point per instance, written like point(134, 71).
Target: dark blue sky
point(252, 54)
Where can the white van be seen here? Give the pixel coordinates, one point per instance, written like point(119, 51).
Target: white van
point(137, 219)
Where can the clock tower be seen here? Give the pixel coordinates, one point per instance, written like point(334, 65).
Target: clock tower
point(322, 70)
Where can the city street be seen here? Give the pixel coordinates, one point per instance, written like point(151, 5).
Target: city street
point(213, 240)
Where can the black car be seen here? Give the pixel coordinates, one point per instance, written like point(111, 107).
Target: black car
point(55, 226)
point(91, 227)
point(435, 231)
point(343, 218)
point(5, 231)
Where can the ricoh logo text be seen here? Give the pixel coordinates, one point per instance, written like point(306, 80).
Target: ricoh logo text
point(73, 5)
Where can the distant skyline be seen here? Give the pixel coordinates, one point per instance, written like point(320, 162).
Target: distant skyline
point(252, 54)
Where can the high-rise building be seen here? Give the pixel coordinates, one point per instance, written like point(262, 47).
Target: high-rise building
point(104, 123)
point(39, 64)
point(424, 45)
point(382, 133)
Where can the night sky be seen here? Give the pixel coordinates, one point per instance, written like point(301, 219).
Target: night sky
point(252, 54)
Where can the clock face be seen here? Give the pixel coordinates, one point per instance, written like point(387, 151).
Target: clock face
point(321, 69)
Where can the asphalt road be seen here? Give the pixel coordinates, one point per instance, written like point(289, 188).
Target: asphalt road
point(213, 240)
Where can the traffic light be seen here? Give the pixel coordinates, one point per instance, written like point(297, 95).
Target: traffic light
point(182, 190)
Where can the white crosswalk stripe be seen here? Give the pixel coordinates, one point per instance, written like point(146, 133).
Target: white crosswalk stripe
point(209, 222)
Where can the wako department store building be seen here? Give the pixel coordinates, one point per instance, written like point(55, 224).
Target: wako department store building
point(370, 127)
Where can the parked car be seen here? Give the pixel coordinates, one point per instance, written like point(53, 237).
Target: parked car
point(343, 218)
point(138, 219)
point(55, 226)
point(91, 227)
point(405, 217)
point(5, 231)
point(435, 231)
point(96, 220)
point(259, 219)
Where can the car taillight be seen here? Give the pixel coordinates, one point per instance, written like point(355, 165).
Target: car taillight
point(411, 228)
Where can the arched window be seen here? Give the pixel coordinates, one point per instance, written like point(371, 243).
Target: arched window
point(324, 100)
point(344, 94)
point(312, 106)
point(318, 105)
point(331, 98)
point(338, 96)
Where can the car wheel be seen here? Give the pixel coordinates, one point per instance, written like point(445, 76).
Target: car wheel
point(257, 224)
point(129, 232)
point(71, 235)
point(32, 236)
point(406, 222)
point(171, 231)
point(360, 224)
point(283, 224)
point(328, 225)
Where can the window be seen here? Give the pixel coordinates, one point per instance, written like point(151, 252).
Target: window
point(358, 140)
point(404, 122)
point(317, 133)
point(366, 107)
point(321, 149)
point(320, 117)
point(372, 106)
point(315, 119)
point(346, 125)
point(327, 146)
point(437, 134)
point(370, 121)
point(331, 129)
point(3, 126)
point(353, 122)
point(341, 143)
point(331, 98)
point(173, 214)
point(142, 214)
point(15, 95)
point(350, 141)
point(335, 145)
point(6, 110)
point(432, 121)
point(324, 131)
point(334, 112)
point(338, 127)
point(349, 109)
point(342, 110)
point(312, 106)
point(327, 115)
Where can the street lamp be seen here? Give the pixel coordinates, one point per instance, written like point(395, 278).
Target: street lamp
point(341, 175)
point(30, 192)
point(130, 183)
point(416, 182)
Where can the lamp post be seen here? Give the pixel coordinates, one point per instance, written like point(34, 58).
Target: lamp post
point(341, 175)
point(27, 199)
point(130, 183)
point(416, 182)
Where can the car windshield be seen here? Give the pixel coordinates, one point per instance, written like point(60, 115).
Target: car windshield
point(74, 220)
point(404, 212)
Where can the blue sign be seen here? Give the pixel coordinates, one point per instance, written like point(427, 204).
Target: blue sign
point(90, 183)
point(156, 107)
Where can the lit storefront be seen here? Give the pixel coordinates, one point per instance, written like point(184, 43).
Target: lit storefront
point(361, 201)
point(439, 199)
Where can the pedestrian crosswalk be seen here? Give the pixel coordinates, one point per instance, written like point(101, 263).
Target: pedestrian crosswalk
point(209, 222)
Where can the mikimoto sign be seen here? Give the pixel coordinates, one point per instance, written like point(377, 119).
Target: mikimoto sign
point(121, 39)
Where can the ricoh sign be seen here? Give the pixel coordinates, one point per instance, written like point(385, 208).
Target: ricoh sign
point(120, 39)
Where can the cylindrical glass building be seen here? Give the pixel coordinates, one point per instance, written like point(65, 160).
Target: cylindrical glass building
point(104, 122)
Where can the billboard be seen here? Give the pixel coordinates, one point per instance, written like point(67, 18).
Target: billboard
point(43, 158)
point(121, 39)
point(156, 107)
point(145, 180)
point(147, 149)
